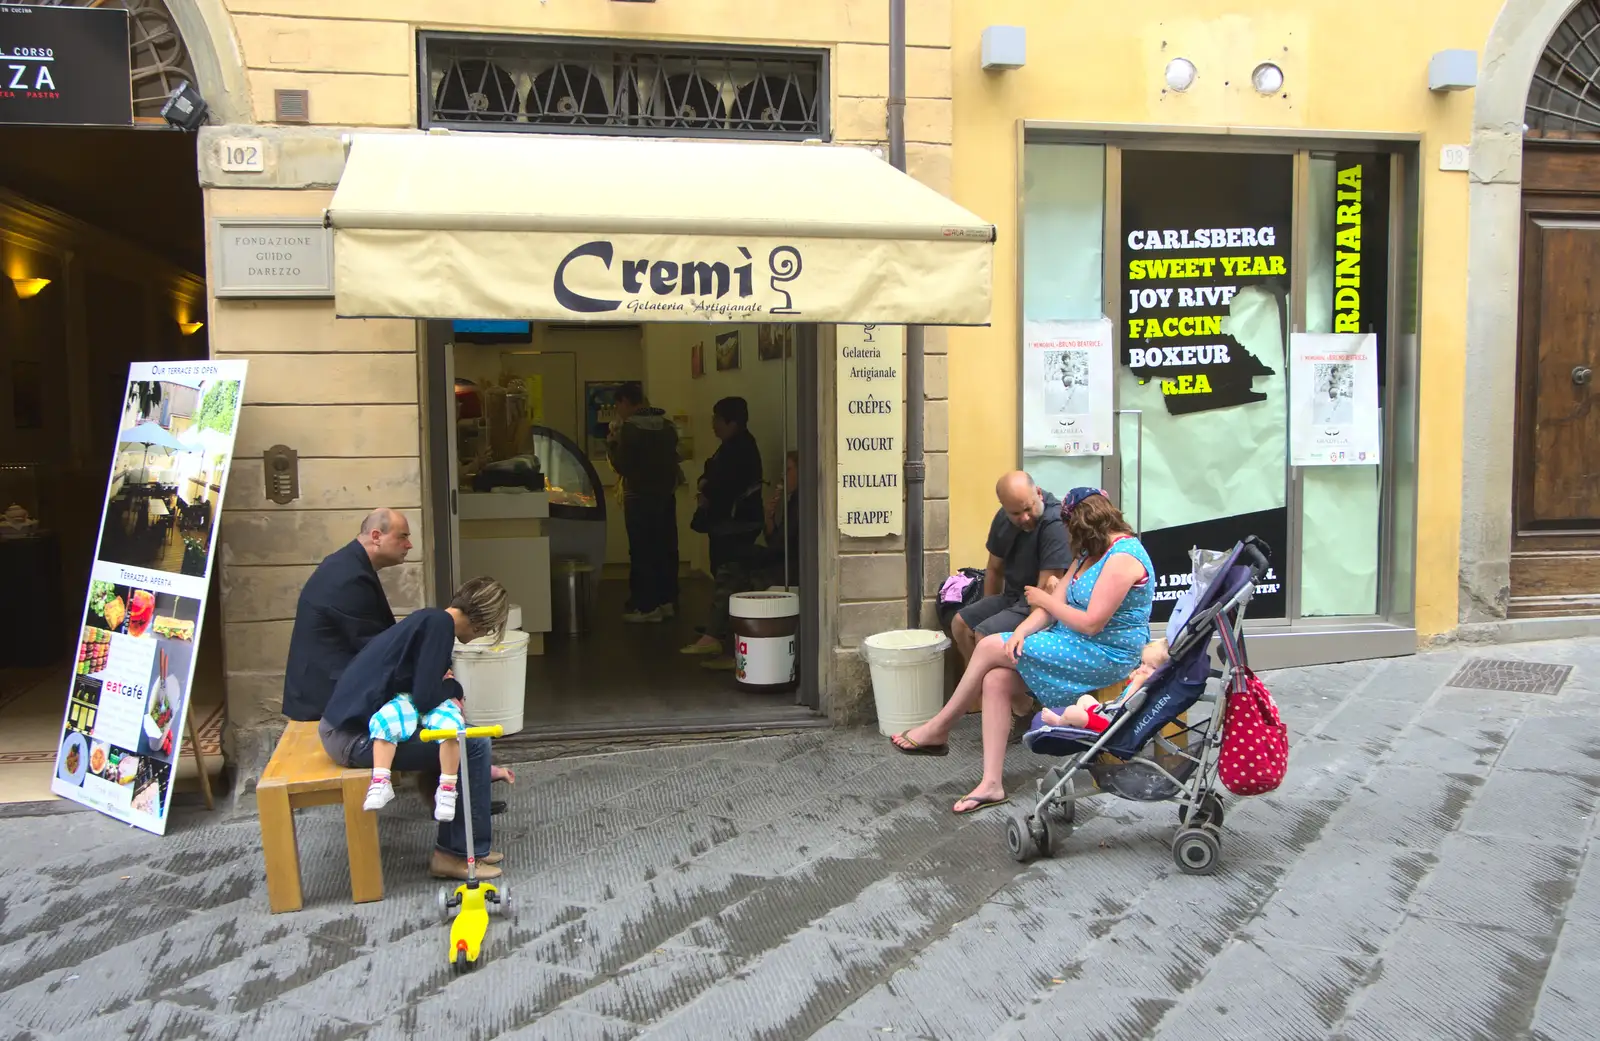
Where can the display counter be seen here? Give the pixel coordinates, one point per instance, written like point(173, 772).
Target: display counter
point(504, 534)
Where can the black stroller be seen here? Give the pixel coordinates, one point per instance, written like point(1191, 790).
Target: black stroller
point(1147, 754)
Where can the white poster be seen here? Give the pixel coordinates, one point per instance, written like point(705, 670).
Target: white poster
point(129, 701)
point(1334, 418)
point(1066, 388)
point(871, 387)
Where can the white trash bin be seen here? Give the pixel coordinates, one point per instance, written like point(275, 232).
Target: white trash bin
point(907, 676)
point(494, 677)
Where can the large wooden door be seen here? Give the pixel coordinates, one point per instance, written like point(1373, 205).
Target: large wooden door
point(1555, 563)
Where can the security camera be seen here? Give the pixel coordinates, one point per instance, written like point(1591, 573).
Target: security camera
point(185, 108)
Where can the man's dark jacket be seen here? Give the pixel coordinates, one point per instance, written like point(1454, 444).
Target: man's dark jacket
point(342, 607)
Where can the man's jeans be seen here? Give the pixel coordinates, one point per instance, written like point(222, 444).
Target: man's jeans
point(353, 748)
point(652, 523)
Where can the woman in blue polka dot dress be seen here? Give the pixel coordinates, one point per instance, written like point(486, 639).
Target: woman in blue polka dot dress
point(1085, 634)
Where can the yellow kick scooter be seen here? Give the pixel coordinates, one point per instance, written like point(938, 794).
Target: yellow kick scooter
point(472, 900)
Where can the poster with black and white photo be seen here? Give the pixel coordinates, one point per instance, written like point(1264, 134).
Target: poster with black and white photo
point(1333, 406)
point(1203, 313)
point(1066, 388)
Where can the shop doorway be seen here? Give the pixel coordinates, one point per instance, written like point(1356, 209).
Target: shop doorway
point(1555, 559)
point(102, 245)
point(529, 407)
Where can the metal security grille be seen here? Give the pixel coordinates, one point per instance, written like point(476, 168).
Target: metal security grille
point(545, 84)
point(1564, 100)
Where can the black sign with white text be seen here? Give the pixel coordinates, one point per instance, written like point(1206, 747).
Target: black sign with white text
point(65, 66)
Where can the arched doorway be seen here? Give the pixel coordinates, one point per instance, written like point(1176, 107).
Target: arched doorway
point(102, 249)
point(1555, 551)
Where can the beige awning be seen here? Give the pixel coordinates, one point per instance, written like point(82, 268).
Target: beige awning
point(574, 228)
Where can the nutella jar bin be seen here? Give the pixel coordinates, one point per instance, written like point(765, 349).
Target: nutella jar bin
point(766, 627)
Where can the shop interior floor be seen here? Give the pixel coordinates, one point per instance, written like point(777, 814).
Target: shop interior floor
point(32, 704)
point(633, 675)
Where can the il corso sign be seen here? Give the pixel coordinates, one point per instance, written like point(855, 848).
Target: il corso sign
point(65, 66)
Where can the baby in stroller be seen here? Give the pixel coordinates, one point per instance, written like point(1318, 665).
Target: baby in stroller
point(1088, 714)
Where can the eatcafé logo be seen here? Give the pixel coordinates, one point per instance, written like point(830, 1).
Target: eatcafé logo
point(688, 286)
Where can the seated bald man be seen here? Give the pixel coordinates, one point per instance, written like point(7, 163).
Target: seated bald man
point(1027, 547)
point(342, 607)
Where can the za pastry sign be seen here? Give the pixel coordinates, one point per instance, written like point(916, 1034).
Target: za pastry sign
point(65, 66)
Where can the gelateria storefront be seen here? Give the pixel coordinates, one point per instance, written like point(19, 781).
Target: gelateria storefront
point(1257, 295)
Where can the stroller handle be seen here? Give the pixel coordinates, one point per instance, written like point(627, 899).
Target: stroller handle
point(1257, 554)
point(450, 735)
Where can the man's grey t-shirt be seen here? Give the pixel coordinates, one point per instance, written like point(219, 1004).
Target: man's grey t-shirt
point(1027, 553)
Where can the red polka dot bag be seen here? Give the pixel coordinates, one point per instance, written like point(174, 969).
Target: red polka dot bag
point(1255, 741)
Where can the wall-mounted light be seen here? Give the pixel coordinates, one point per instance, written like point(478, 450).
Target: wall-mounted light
point(190, 328)
point(1267, 78)
point(1003, 47)
point(1453, 70)
point(1180, 74)
point(28, 288)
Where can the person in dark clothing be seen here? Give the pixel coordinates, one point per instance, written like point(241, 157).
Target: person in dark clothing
point(342, 607)
point(412, 659)
point(729, 508)
point(1027, 546)
point(776, 563)
point(643, 448)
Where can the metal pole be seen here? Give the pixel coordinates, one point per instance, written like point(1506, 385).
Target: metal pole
point(915, 472)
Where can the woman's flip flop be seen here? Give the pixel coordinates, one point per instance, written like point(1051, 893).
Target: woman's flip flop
point(912, 748)
point(980, 804)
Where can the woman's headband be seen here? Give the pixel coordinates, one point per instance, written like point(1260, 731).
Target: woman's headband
point(1076, 496)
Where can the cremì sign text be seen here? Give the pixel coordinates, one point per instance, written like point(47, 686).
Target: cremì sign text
point(593, 279)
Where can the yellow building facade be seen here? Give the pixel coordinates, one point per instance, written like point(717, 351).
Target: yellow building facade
point(1351, 76)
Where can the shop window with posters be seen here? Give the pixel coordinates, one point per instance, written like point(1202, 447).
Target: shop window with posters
point(1204, 311)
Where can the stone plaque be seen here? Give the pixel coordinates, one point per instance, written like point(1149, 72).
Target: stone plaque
point(265, 257)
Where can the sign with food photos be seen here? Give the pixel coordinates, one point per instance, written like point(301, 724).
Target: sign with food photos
point(133, 683)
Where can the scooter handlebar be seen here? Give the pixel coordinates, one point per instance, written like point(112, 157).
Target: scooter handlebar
point(450, 735)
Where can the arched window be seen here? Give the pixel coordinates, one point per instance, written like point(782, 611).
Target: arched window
point(156, 51)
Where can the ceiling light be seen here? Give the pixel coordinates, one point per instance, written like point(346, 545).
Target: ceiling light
point(1180, 74)
point(1267, 78)
point(190, 328)
point(29, 287)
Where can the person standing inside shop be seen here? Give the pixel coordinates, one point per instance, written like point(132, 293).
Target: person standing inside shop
point(729, 510)
point(642, 448)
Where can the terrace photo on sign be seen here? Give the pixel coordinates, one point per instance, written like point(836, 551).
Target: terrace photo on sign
point(166, 478)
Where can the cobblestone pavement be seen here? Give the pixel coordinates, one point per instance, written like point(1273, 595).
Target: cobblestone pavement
point(1425, 873)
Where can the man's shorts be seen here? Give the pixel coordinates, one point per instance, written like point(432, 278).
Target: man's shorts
point(995, 614)
point(397, 721)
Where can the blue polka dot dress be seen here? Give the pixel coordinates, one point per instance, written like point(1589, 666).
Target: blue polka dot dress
point(1060, 665)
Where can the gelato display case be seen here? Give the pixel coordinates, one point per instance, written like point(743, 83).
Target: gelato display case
point(577, 499)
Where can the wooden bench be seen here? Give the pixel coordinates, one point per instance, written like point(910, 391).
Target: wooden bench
point(300, 774)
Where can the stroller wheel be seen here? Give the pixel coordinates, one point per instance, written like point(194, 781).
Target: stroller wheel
point(1019, 841)
point(1042, 838)
point(1065, 812)
point(1210, 812)
point(1196, 851)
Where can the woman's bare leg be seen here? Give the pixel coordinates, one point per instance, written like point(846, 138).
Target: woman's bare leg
point(999, 687)
point(989, 655)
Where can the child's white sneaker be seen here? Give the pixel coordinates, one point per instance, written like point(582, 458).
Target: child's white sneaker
point(444, 803)
point(380, 793)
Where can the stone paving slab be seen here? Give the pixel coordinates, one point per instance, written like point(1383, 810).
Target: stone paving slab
point(1425, 872)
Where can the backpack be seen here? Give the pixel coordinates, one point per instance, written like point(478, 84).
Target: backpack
point(1255, 742)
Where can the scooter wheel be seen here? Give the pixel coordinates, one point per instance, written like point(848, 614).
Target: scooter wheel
point(442, 900)
point(501, 904)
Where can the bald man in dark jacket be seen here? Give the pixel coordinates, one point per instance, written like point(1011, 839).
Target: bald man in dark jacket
point(342, 607)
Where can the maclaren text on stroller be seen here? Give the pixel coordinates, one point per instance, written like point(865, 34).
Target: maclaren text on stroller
point(1136, 757)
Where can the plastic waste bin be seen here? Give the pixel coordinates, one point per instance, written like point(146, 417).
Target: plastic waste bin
point(494, 677)
point(907, 668)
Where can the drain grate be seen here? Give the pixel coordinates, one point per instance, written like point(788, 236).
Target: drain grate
point(1520, 677)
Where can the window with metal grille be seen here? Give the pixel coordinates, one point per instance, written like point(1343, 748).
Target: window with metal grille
point(1564, 99)
point(540, 83)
